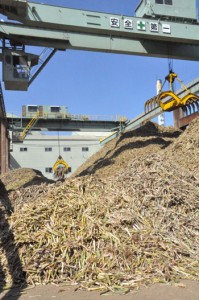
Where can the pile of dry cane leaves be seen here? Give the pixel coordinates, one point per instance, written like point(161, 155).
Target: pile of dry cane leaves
point(185, 149)
point(23, 177)
point(115, 156)
point(135, 226)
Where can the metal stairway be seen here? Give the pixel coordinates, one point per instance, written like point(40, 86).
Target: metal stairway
point(29, 126)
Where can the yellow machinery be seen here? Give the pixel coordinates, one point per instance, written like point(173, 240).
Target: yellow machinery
point(60, 168)
point(32, 122)
point(174, 101)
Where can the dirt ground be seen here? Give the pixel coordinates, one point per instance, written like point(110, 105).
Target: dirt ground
point(185, 290)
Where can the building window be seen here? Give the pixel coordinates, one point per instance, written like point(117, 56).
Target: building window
point(48, 170)
point(55, 109)
point(167, 2)
point(85, 149)
point(67, 149)
point(23, 149)
point(48, 149)
point(32, 108)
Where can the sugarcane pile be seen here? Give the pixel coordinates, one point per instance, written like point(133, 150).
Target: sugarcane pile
point(23, 177)
point(150, 138)
point(185, 149)
point(135, 226)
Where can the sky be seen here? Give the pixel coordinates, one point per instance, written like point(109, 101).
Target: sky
point(95, 83)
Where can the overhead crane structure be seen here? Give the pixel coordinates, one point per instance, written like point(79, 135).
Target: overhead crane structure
point(160, 28)
point(20, 126)
point(157, 30)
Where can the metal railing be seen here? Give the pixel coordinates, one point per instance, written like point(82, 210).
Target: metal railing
point(78, 117)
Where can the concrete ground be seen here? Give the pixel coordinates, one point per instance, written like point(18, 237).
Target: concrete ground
point(185, 290)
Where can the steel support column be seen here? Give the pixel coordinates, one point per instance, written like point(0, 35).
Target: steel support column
point(3, 149)
point(4, 139)
point(177, 115)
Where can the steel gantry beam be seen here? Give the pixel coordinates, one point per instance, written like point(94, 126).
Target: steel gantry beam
point(64, 28)
point(17, 124)
point(67, 28)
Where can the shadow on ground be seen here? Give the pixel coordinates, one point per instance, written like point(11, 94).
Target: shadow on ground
point(9, 248)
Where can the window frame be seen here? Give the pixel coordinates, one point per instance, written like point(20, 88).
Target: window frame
point(85, 149)
point(48, 149)
point(55, 109)
point(67, 149)
point(23, 149)
point(163, 2)
point(49, 170)
point(171, 2)
point(32, 108)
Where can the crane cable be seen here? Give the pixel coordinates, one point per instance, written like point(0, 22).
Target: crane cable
point(58, 143)
point(170, 65)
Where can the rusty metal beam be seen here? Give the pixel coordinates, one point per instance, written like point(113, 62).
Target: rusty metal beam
point(184, 121)
point(178, 114)
point(181, 119)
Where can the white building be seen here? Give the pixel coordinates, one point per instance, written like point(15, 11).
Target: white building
point(40, 152)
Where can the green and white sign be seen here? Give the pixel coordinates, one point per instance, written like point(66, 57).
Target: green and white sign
point(141, 25)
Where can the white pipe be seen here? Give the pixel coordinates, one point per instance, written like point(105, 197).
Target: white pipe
point(161, 119)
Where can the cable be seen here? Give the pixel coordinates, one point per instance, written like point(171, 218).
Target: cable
point(58, 143)
point(170, 64)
